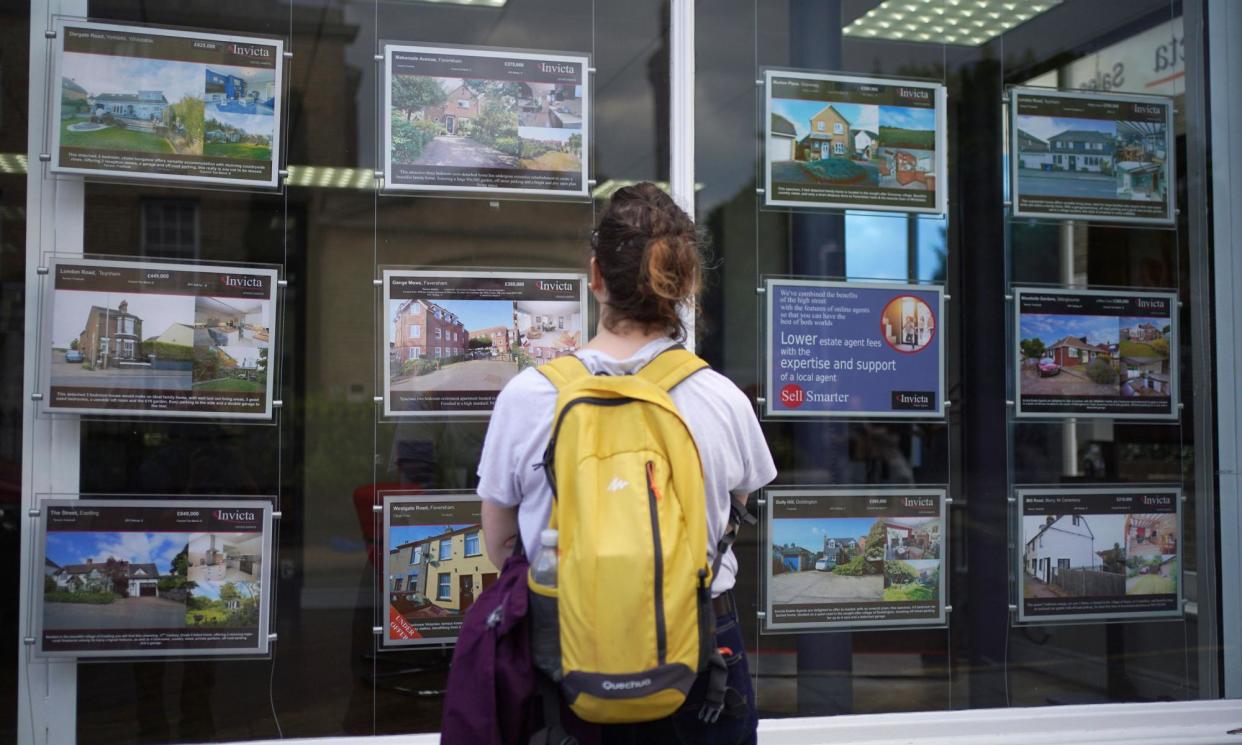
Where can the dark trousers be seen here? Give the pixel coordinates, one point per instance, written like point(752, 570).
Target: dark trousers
point(736, 726)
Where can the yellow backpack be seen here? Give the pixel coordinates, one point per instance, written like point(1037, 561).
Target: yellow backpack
point(629, 624)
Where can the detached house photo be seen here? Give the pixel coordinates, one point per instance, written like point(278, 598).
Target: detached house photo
point(1091, 158)
point(847, 144)
point(109, 580)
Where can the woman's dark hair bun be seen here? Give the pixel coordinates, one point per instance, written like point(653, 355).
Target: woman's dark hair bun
point(648, 251)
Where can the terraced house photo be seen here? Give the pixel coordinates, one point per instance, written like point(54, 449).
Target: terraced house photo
point(1074, 555)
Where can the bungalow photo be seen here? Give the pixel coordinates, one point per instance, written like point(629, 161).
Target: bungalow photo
point(1152, 564)
point(231, 344)
point(240, 112)
point(131, 104)
point(908, 323)
point(436, 571)
point(1092, 158)
point(114, 580)
point(1074, 555)
point(1069, 355)
point(226, 604)
point(475, 345)
point(827, 560)
point(1145, 363)
point(121, 340)
point(852, 145)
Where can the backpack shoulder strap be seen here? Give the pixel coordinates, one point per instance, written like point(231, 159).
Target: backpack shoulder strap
point(564, 370)
point(670, 367)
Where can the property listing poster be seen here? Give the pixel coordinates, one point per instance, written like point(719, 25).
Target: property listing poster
point(125, 578)
point(1091, 156)
point(854, 143)
point(148, 103)
point(1108, 552)
point(454, 338)
point(853, 558)
point(849, 349)
point(485, 121)
point(436, 565)
point(1096, 353)
point(152, 339)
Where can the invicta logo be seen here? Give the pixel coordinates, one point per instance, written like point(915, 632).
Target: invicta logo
point(229, 280)
point(617, 484)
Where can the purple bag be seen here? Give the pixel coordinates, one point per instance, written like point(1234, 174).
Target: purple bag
point(490, 699)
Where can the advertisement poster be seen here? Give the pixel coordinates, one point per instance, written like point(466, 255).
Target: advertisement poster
point(853, 558)
point(146, 103)
point(454, 338)
point(437, 566)
point(854, 143)
point(146, 339)
point(1092, 156)
point(129, 578)
point(1094, 353)
point(851, 349)
point(485, 121)
point(1088, 554)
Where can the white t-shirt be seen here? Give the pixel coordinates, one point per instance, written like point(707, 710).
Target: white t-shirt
point(731, 446)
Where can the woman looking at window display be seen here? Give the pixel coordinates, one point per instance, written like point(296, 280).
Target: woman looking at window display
point(645, 264)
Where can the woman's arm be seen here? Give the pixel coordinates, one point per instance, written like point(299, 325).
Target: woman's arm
point(500, 531)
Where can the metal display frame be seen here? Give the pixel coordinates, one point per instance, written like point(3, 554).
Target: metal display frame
point(1174, 492)
point(767, 542)
point(1015, 354)
point(263, 639)
point(770, 395)
point(278, 140)
point(389, 498)
point(385, 127)
point(1170, 200)
point(47, 320)
point(939, 94)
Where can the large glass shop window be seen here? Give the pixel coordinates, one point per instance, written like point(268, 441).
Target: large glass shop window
point(952, 267)
point(953, 250)
point(318, 240)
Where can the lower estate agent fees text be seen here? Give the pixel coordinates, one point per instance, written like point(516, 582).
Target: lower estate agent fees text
point(848, 349)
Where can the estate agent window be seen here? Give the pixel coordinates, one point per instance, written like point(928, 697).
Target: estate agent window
point(938, 191)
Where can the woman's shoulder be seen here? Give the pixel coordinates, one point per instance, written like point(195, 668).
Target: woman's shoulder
point(716, 386)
